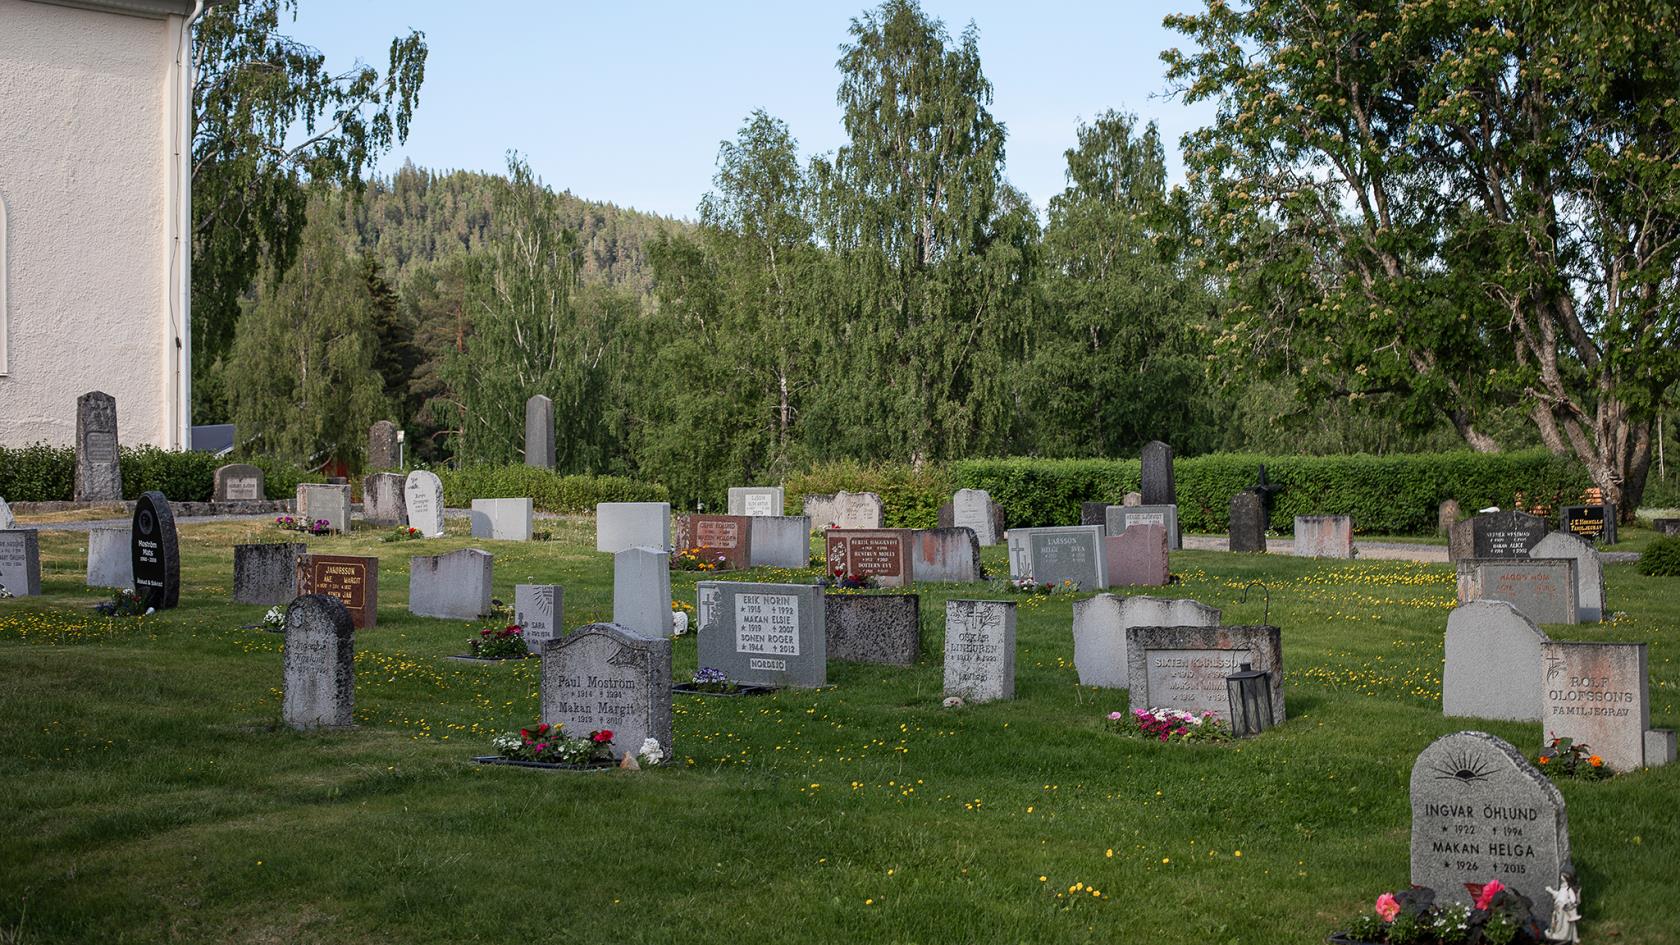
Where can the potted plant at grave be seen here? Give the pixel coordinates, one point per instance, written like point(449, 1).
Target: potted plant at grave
point(850, 582)
point(714, 682)
point(507, 643)
point(1565, 758)
point(1170, 725)
point(1497, 916)
point(548, 746)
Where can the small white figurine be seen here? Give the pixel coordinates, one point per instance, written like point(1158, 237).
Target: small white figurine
point(1566, 910)
point(679, 623)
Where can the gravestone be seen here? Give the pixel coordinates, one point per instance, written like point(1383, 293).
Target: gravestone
point(705, 603)
point(621, 525)
point(1053, 555)
point(1543, 589)
point(6, 519)
point(764, 634)
point(1480, 812)
point(1132, 498)
point(725, 539)
point(944, 555)
point(20, 561)
point(352, 579)
point(1660, 747)
point(1099, 631)
point(1248, 523)
point(642, 591)
point(320, 664)
point(1599, 695)
point(980, 649)
point(382, 446)
point(755, 500)
point(1323, 536)
point(239, 482)
point(1668, 527)
point(539, 610)
point(423, 502)
point(607, 677)
point(454, 586)
point(1118, 518)
point(317, 502)
point(1447, 514)
point(1492, 662)
point(1158, 474)
point(98, 470)
point(502, 519)
point(155, 553)
point(974, 509)
point(874, 628)
point(1185, 667)
point(850, 510)
point(1136, 557)
point(780, 541)
point(539, 432)
point(266, 573)
point(1093, 513)
point(1589, 572)
point(1497, 535)
point(110, 556)
point(883, 554)
point(1595, 523)
point(383, 499)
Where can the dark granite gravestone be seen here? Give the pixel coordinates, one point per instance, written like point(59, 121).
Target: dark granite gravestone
point(723, 538)
point(156, 552)
point(874, 628)
point(763, 634)
point(20, 561)
point(1093, 513)
point(239, 482)
point(539, 609)
point(383, 501)
point(539, 432)
point(1248, 523)
point(1504, 534)
point(382, 446)
point(607, 677)
point(1158, 486)
point(1185, 667)
point(98, 472)
point(352, 579)
point(320, 664)
point(266, 573)
point(881, 553)
point(980, 649)
point(1481, 812)
point(1595, 523)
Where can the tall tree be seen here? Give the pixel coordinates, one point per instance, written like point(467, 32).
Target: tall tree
point(1459, 205)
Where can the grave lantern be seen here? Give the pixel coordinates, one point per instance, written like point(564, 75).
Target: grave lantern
point(1250, 693)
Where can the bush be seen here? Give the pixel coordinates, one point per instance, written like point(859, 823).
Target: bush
point(42, 473)
point(183, 477)
point(1661, 558)
point(910, 497)
point(549, 491)
point(37, 473)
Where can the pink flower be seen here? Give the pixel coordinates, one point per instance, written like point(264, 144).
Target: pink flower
point(1388, 907)
point(1485, 897)
point(1115, 716)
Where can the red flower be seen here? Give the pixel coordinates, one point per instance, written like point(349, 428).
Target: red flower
point(485, 632)
point(602, 737)
point(1484, 898)
point(543, 727)
point(515, 628)
point(524, 733)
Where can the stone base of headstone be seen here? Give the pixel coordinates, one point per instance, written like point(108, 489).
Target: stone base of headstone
point(874, 628)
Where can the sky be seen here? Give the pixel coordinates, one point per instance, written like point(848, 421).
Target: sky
point(627, 102)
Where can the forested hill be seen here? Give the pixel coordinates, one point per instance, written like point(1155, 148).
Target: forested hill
point(418, 216)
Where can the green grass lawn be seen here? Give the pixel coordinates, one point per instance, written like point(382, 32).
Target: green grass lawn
point(150, 794)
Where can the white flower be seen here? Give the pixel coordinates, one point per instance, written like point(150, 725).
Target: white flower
point(651, 753)
point(275, 617)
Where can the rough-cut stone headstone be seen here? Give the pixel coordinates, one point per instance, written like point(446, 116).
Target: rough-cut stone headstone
point(1481, 812)
point(621, 525)
point(1093, 513)
point(1447, 514)
point(382, 446)
point(1598, 695)
point(1158, 474)
point(239, 482)
point(156, 554)
point(607, 677)
point(1492, 661)
point(1118, 518)
point(1589, 572)
point(944, 555)
point(455, 586)
point(853, 510)
point(980, 649)
point(874, 628)
point(1069, 553)
point(20, 561)
point(1132, 498)
point(320, 664)
point(383, 499)
point(1323, 536)
point(324, 502)
point(755, 500)
point(423, 502)
point(110, 556)
point(266, 573)
point(1595, 523)
point(1099, 631)
point(1248, 523)
point(883, 554)
point(98, 471)
point(780, 541)
point(502, 519)
point(1543, 589)
point(539, 610)
point(352, 579)
point(1499, 535)
point(974, 509)
point(539, 432)
point(1185, 667)
point(642, 591)
point(1137, 557)
point(764, 634)
point(6, 519)
point(724, 539)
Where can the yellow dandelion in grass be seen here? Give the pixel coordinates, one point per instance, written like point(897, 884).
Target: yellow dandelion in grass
point(869, 902)
point(1165, 860)
point(1109, 853)
point(1044, 879)
point(1237, 853)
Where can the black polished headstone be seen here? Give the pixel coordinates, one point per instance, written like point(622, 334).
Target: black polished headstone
point(1510, 534)
point(156, 553)
point(1595, 523)
point(1158, 486)
point(1248, 522)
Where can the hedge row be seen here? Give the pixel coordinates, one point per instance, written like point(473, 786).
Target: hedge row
point(549, 491)
point(42, 473)
point(910, 497)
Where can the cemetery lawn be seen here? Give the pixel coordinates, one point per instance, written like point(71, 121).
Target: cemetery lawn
point(152, 796)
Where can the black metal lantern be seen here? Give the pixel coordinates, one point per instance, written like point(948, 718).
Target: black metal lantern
point(1250, 692)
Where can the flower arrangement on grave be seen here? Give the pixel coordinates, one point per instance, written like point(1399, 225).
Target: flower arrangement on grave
point(123, 603)
point(1170, 725)
point(275, 618)
point(850, 582)
point(5, 594)
point(698, 559)
point(507, 643)
point(403, 533)
point(651, 752)
point(707, 679)
point(319, 526)
point(1565, 758)
point(548, 743)
point(1498, 916)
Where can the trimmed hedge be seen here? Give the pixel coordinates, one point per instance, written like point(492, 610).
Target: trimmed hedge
point(549, 491)
point(910, 497)
point(42, 473)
